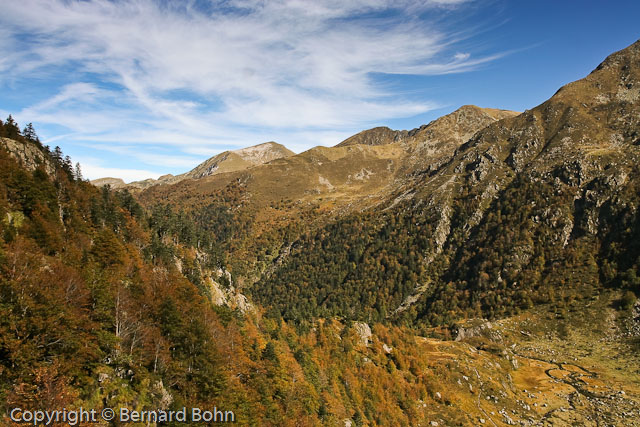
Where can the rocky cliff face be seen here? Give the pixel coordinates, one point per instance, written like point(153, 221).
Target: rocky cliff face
point(27, 154)
point(584, 140)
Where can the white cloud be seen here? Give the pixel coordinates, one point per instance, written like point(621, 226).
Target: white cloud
point(92, 171)
point(233, 73)
point(461, 56)
point(150, 155)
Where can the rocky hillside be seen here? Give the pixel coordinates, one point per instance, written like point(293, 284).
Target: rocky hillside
point(305, 191)
point(237, 160)
point(530, 207)
point(28, 154)
point(376, 136)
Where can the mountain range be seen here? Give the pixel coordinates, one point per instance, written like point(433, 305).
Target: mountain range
point(562, 170)
point(454, 274)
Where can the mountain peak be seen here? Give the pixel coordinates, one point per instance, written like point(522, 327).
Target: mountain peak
point(376, 136)
point(243, 158)
point(110, 181)
point(617, 78)
point(457, 127)
point(461, 124)
point(263, 153)
point(631, 52)
point(495, 113)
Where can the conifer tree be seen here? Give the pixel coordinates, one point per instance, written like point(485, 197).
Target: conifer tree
point(11, 129)
point(78, 172)
point(57, 155)
point(30, 134)
point(68, 164)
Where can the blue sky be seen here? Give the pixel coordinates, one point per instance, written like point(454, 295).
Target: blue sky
point(140, 88)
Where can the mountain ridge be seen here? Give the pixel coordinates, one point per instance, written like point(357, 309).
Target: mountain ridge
point(384, 135)
point(388, 144)
point(241, 159)
point(227, 161)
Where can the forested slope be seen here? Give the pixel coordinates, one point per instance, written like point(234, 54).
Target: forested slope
point(105, 305)
point(538, 208)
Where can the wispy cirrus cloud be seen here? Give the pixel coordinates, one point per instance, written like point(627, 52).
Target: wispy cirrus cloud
point(202, 76)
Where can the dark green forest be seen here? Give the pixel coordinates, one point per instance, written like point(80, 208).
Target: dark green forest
point(363, 266)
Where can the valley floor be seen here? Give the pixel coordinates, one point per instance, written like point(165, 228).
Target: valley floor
point(580, 367)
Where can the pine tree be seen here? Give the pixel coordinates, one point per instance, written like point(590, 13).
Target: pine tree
point(78, 172)
point(68, 164)
point(30, 133)
point(269, 353)
point(11, 129)
point(57, 155)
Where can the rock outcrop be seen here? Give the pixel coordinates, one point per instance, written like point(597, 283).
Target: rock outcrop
point(28, 154)
point(228, 295)
point(364, 332)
